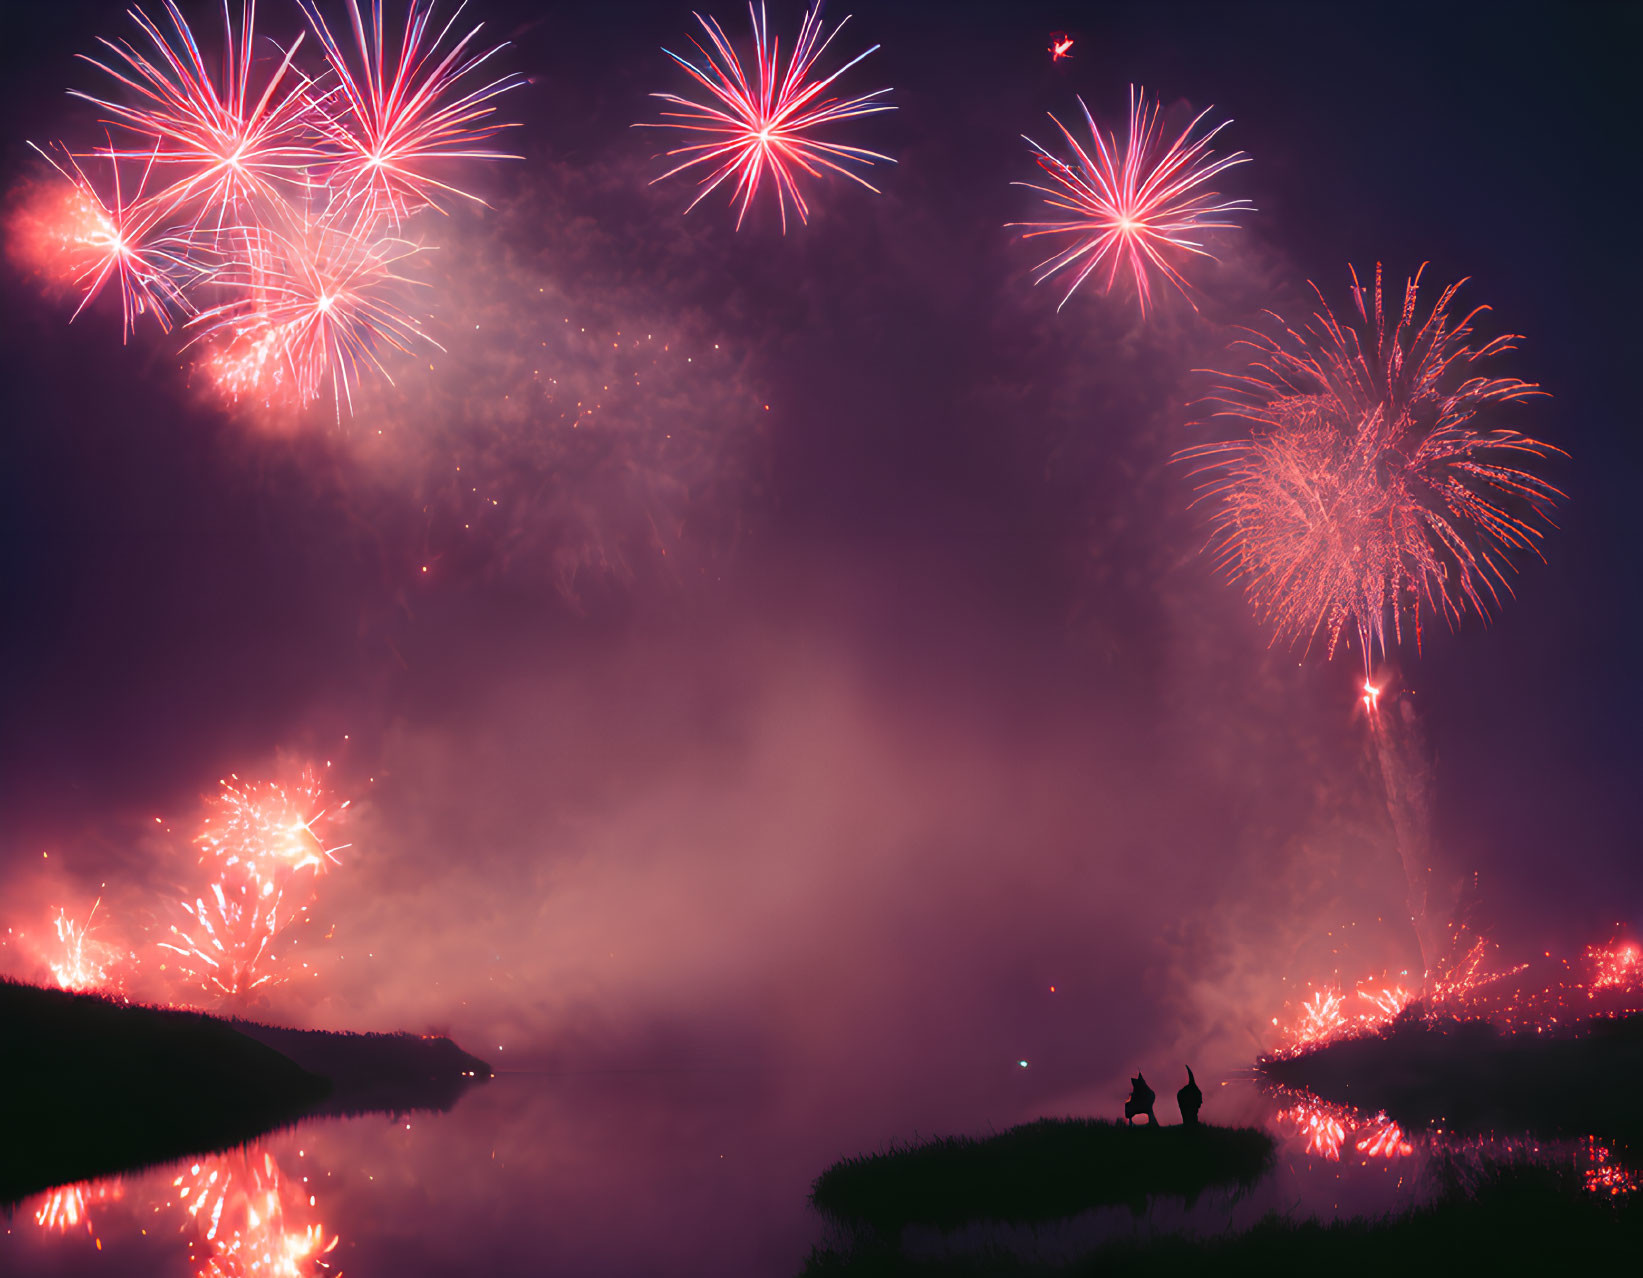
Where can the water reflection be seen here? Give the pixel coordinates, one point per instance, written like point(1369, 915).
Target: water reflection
point(684, 1172)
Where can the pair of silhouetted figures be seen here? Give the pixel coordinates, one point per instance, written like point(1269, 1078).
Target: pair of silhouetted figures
point(1142, 1098)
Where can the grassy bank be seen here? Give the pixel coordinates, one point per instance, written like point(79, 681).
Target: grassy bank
point(89, 1086)
point(1526, 1220)
point(1040, 1171)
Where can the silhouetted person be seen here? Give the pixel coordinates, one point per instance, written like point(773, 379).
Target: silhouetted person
point(1140, 1101)
point(1191, 1100)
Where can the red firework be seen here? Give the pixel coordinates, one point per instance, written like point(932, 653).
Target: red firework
point(233, 145)
point(386, 123)
point(766, 125)
point(120, 237)
point(1369, 486)
point(272, 828)
point(311, 307)
point(1134, 208)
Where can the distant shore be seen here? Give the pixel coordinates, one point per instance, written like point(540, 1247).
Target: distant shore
point(89, 1087)
point(1468, 1076)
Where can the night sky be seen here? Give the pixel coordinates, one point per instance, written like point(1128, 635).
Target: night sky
point(853, 674)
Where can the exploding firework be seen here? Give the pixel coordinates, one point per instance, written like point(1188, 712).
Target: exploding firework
point(1132, 210)
point(227, 947)
point(273, 829)
point(310, 309)
point(230, 147)
point(122, 236)
point(766, 126)
point(273, 188)
point(391, 124)
point(1368, 489)
point(83, 962)
point(265, 844)
point(1061, 46)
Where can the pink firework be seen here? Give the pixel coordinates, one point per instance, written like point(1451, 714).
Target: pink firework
point(271, 828)
point(232, 145)
point(390, 123)
point(1133, 210)
point(766, 125)
point(228, 945)
point(1370, 488)
point(311, 307)
point(121, 237)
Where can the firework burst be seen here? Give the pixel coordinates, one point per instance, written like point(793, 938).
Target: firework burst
point(121, 237)
point(391, 122)
point(765, 126)
point(1133, 209)
point(274, 188)
point(231, 146)
point(310, 308)
point(1368, 487)
point(272, 828)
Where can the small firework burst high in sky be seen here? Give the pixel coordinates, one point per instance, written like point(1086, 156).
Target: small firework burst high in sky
point(766, 126)
point(1371, 488)
point(276, 186)
point(1135, 209)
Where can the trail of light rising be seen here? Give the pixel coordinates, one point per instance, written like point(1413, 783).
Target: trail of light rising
point(1367, 487)
point(230, 146)
point(388, 122)
point(766, 126)
point(1132, 209)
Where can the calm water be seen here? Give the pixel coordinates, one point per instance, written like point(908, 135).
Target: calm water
point(625, 1174)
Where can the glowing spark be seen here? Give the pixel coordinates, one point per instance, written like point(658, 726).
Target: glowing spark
point(1366, 488)
point(1132, 209)
point(1060, 46)
point(398, 119)
point(766, 126)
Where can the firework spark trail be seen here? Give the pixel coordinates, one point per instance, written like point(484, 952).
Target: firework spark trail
point(390, 122)
point(234, 146)
point(766, 126)
point(1367, 487)
point(1132, 211)
point(316, 304)
point(84, 963)
point(1407, 781)
point(124, 238)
